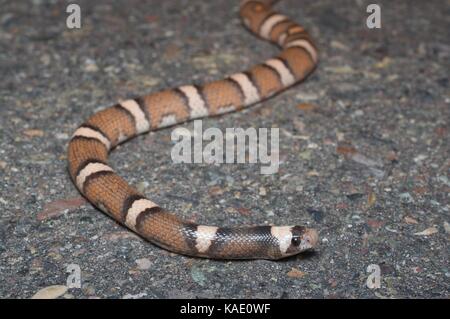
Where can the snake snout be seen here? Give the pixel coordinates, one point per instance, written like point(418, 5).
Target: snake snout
point(311, 237)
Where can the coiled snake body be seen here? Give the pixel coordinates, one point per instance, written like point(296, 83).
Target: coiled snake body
point(90, 144)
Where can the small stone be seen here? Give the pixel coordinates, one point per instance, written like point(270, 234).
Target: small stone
point(339, 45)
point(136, 296)
point(45, 59)
point(346, 69)
point(427, 232)
point(262, 191)
point(306, 155)
point(355, 196)
point(142, 186)
point(198, 276)
point(50, 292)
point(447, 227)
point(295, 273)
point(62, 136)
point(357, 113)
point(384, 63)
point(33, 133)
point(307, 96)
point(443, 179)
point(316, 214)
point(420, 158)
point(90, 66)
point(89, 290)
point(406, 197)
point(410, 220)
point(143, 263)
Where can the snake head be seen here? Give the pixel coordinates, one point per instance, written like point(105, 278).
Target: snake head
point(301, 239)
point(292, 240)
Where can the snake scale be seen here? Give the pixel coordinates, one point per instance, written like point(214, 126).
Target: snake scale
point(90, 144)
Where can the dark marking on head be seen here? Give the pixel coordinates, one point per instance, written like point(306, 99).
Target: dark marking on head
point(296, 240)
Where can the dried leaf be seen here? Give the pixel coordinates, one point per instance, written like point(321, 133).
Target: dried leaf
point(410, 220)
point(346, 69)
point(383, 63)
point(33, 133)
point(441, 131)
point(50, 292)
point(339, 45)
point(295, 273)
point(345, 149)
point(375, 224)
point(307, 107)
point(172, 52)
point(392, 156)
point(58, 207)
point(120, 235)
point(215, 191)
point(313, 173)
point(151, 18)
point(244, 211)
point(427, 232)
point(371, 199)
point(364, 160)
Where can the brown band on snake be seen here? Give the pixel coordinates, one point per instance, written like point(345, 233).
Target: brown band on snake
point(91, 142)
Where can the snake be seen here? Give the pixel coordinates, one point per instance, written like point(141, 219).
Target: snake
point(92, 141)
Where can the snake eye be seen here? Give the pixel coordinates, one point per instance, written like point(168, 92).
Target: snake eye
point(295, 241)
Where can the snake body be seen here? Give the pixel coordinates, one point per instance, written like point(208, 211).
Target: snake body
point(96, 180)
